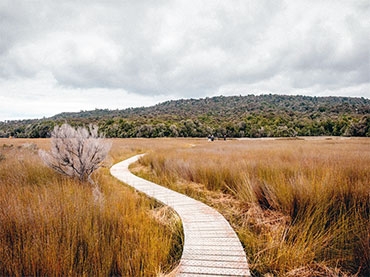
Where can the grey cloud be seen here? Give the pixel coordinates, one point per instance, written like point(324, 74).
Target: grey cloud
point(185, 48)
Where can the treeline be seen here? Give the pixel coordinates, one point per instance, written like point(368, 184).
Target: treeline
point(254, 126)
point(234, 116)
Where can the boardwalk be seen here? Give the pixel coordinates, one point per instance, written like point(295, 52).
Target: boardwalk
point(211, 247)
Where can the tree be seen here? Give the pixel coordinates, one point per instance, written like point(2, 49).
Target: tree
point(76, 152)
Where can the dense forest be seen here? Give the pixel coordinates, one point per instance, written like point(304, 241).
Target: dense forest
point(232, 116)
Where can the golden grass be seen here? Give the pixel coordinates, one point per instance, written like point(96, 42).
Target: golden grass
point(299, 206)
point(56, 226)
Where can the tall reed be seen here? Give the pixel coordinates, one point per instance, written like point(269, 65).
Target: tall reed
point(53, 225)
point(297, 205)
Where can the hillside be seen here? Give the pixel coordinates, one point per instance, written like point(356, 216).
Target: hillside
point(233, 116)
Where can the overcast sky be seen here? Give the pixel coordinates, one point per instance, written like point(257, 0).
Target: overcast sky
point(74, 55)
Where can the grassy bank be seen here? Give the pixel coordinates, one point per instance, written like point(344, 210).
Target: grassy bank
point(300, 207)
point(56, 226)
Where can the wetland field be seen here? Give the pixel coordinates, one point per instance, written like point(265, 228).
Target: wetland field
point(301, 207)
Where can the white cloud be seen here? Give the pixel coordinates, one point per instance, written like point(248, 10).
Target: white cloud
point(41, 97)
point(176, 49)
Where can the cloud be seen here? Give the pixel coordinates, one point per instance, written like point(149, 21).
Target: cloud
point(185, 48)
point(40, 97)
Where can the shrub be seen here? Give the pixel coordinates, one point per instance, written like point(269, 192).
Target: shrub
point(76, 152)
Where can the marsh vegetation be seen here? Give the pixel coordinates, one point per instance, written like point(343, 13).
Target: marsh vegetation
point(300, 207)
point(54, 225)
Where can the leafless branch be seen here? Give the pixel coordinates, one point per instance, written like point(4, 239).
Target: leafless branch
point(76, 152)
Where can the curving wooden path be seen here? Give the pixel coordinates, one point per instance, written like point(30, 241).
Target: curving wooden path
point(211, 247)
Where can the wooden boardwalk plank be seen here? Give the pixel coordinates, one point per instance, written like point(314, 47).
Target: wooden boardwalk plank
point(211, 247)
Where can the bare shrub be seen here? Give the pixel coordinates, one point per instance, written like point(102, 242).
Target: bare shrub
point(76, 152)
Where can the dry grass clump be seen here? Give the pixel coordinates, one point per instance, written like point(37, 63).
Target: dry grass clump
point(316, 270)
point(53, 225)
point(298, 206)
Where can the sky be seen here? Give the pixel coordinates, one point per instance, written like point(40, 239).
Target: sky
point(72, 55)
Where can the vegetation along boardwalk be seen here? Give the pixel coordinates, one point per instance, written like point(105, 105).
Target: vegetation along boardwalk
point(211, 247)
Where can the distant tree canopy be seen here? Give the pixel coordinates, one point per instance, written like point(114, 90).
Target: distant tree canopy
point(233, 116)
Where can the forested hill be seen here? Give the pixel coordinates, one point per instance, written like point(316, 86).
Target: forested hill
point(233, 116)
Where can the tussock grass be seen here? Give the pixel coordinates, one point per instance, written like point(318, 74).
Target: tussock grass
point(300, 207)
point(56, 226)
